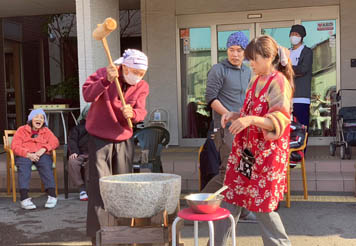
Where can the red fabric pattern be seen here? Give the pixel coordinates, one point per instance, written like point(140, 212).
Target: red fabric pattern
point(266, 187)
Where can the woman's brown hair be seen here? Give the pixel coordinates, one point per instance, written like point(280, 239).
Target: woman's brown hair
point(267, 47)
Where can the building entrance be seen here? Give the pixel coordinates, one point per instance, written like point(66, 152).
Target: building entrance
point(200, 47)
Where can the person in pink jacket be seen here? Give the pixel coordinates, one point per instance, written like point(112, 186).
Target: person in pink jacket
point(110, 147)
point(31, 145)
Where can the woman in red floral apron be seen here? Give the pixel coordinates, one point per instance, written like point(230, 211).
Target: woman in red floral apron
point(256, 170)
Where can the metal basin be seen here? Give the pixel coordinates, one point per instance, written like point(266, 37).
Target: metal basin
point(140, 195)
point(197, 204)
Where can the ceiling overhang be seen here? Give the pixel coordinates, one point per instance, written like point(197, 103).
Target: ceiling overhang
point(15, 8)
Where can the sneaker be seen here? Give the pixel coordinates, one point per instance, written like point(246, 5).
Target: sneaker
point(83, 196)
point(27, 204)
point(51, 202)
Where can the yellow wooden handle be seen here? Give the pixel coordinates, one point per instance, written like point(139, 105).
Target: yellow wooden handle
point(217, 193)
point(118, 87)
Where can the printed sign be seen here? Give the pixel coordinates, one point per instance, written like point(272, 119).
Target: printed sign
point(325, 26)
point(184, 33)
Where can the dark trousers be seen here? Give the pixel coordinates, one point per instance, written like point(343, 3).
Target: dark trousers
point(75, 167)
point(44, 167)
point(301, 112)
point(105, 158)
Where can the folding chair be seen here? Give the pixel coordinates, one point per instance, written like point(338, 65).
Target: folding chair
point(11, 167)
point(304, 174)
point(151, 140)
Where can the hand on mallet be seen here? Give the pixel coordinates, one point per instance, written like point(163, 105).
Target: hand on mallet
point(127, 111)
point(111, 72)
point(100, 33)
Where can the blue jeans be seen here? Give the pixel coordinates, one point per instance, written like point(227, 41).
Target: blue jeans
point(44, 167)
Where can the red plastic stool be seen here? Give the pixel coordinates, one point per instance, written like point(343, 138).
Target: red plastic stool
point(189, 214)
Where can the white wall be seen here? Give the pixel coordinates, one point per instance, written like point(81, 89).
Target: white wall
point(158, 39)
point(91, 55)
point(221, 6)
point(348, 51)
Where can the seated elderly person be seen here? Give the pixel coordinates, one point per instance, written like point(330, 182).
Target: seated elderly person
point(78, 154)
point(31, 145)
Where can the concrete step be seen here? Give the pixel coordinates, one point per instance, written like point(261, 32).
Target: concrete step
point(324, 173)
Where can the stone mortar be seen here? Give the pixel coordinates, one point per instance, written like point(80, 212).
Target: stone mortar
point(140, 195)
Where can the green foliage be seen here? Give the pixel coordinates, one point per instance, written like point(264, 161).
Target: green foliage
point(67, 89)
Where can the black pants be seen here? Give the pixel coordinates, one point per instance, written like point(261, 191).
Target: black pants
point(105, 158)
point(301, 112)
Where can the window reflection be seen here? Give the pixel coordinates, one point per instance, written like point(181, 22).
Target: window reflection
point(280, 34)
point(321, 38)
point(195, 47)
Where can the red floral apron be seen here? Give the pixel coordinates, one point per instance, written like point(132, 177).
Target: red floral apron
point(266, 186)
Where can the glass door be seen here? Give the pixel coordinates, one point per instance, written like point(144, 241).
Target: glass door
point(277, 30)
point(202, 43)
point(321, 38)
point(195, 54)
point(14, 98)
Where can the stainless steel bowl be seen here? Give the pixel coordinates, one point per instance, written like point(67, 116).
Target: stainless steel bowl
point(197, 204)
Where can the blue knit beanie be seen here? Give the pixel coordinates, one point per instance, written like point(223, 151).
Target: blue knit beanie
point(36, 112)
point(237, 38)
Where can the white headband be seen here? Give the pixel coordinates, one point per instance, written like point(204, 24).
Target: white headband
point(133, 59)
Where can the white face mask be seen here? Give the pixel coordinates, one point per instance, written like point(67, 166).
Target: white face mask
point(132, 79)
point(295, 40)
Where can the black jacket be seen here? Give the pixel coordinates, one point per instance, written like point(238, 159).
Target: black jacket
point(78, 139)
point(303, 74)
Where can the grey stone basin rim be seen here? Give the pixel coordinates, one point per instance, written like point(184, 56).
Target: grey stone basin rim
point(155, 177)
point(140, 195)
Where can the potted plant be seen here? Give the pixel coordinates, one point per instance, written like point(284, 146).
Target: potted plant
point(65, 92)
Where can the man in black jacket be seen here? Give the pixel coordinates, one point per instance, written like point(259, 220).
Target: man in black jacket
point(78, 154)
point(302, 61)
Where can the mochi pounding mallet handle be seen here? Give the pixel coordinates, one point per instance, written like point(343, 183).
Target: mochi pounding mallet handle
point(100, 33)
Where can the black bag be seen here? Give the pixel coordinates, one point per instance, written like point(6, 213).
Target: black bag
point(246, 163)
point(296, 157)
point(297, 134)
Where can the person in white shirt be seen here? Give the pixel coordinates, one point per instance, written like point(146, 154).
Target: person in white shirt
point(302, 60)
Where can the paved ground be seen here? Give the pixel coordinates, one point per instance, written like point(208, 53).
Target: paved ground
point(307, 223)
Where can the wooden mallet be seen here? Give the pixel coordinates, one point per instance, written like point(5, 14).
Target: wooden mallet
point(100, 33)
